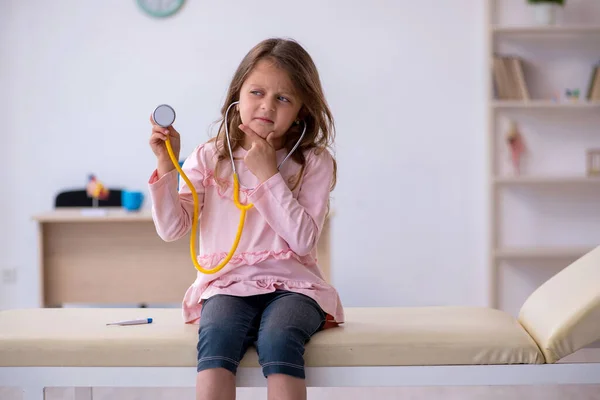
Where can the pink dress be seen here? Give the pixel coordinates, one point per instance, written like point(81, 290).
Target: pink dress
point(277, 249)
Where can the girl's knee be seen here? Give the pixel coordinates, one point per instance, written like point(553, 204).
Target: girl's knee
point(218, 348)
point(281, 351)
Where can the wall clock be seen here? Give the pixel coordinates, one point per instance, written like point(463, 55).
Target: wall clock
point(160, 8)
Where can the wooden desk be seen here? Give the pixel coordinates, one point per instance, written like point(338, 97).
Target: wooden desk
point(117, 258)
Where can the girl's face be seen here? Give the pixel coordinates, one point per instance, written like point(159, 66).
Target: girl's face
point(268, 102)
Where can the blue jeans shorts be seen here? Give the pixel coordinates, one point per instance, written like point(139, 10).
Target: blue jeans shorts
point(277, 324)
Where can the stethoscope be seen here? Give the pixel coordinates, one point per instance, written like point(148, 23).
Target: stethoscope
point(164, 116)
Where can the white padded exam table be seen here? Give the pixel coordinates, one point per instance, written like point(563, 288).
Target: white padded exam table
point(376, 346)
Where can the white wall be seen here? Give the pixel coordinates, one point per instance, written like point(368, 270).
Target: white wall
point(405, 80)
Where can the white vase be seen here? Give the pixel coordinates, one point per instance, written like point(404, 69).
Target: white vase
point(545, 13)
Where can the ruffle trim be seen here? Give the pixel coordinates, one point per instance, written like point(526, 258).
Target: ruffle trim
point(210, 261)
point(225, 187)
point(265, 283)
point(322, 293)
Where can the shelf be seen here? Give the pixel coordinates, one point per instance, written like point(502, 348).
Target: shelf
point(543, 104)
point(546, 30)
point(546, 181)
point(103, 214)
point(541, 253)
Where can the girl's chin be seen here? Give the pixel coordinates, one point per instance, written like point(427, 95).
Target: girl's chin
point(261, 130)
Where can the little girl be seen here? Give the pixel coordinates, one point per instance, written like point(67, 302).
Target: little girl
point(271, 294)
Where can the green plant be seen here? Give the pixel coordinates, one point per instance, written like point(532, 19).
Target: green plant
point(558, 2)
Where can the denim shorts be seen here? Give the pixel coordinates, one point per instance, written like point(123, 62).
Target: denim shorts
point(277, 324)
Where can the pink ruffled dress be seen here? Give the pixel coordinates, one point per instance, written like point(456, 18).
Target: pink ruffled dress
point(277, 249)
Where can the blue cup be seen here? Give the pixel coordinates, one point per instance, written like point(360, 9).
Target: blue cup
point(132, 200)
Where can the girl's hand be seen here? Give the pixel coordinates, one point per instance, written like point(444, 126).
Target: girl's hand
point(261, 158)
point(159, 147)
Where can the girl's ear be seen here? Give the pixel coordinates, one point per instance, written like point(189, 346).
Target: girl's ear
point(301, 114)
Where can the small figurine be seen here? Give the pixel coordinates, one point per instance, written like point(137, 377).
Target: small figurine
point(517, 146)
point(96, 190)
point(572, 94)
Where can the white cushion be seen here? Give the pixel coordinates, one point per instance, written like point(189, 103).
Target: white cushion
point(563, 314)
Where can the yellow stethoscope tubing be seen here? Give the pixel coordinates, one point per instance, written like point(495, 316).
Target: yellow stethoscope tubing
point(236, 198)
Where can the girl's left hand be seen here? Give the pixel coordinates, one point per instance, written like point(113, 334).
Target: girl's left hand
point(261, 159)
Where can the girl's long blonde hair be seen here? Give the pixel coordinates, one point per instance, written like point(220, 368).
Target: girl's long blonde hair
point(290, 56)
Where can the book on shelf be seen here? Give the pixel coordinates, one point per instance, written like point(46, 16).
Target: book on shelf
point(593, 93)
point(509, 78)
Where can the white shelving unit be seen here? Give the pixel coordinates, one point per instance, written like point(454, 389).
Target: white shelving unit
point(541, 253)
point(554, 181)
point(544, 105)
point(545, 30)
point(557, 57)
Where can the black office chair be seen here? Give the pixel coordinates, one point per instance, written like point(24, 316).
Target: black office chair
point(79, 198)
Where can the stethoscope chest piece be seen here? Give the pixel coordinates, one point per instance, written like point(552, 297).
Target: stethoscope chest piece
point(164, 115)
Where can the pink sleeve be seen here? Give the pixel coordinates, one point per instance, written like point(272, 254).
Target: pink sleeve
point(173, 210)
point(298, 221)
